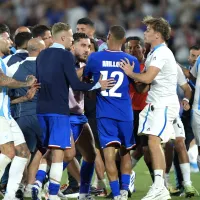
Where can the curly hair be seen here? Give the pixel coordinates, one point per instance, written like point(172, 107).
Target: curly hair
point(159, 25)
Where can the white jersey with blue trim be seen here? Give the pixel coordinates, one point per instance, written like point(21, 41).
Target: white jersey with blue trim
point(4, 99)
point(195, 71)
point(163, 87)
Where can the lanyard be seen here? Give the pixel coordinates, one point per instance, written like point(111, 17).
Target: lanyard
point(156, 47)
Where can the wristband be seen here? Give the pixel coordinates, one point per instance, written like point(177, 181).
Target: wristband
point(185, 99)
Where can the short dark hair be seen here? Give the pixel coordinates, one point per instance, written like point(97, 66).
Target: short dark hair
point(22, 38)
point(4, 28)
point(78, 36)
point(118, 32)
point(195, 47)
point(95, 44)
point(39, 30)
point(135, 38)
point(86, 21)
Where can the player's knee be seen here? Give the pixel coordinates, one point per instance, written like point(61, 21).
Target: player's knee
point(69, 155)
point(22, 151)
point(179, 144)
point(10, 152)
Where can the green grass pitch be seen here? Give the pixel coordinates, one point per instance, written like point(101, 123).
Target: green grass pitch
point(143, 181)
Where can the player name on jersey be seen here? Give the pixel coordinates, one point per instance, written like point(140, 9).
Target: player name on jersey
point(107, 63)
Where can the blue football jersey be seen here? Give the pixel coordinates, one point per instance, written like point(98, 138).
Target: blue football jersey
point(114, 103)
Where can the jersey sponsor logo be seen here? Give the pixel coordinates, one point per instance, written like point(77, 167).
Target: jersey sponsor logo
point(107, 63)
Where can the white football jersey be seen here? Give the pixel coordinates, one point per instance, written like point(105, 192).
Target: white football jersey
point(195, 71)
point(163, 88)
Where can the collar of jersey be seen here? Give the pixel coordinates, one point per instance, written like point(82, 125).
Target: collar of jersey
point(31, 58)
point(57, 45)
point(21, 51)
point(112, 51)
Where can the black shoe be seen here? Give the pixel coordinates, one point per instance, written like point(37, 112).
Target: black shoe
point(110, 196)
point(95, 191)
point(19, 194)
point(71, 192)
point(3, 189)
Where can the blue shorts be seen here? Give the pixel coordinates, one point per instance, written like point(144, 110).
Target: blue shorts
point(55, 130)
point(112, 131)
point(31, 130)
point(77, 122)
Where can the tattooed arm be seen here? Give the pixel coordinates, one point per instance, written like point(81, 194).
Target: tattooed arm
point(6, 81)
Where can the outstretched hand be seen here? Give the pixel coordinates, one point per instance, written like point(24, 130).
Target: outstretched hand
point(126, 66)
point(106, 84)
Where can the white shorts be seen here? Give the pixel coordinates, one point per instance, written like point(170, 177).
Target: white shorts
point(195, 122)
point(158, 121)
point(10, 132)
point(179, 130)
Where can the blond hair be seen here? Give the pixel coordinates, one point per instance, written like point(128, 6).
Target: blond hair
point(59, 27)
point(159, 25)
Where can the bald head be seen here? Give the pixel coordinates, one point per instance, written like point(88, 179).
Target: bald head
point(4, 47)
point(22, 29)
point(35, 45)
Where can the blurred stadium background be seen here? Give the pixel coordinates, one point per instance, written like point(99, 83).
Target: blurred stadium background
point(183, 15)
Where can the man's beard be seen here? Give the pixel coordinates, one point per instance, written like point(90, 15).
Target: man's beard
point(81, 59)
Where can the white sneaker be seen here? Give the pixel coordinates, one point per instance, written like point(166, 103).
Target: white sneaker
point(117, 197)
point(36, 192)
point(132, 182)
point(54, 198)
point(124, 194)
point(6, 197)
point(157, 193)
point(28, 191)
point(62, 196)
point(87, 197)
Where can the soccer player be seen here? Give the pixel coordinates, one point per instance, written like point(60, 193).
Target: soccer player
point(179, 142)
point(195, 75)
point(162, 100)
point(44, 33)
point(12, 144)
point(87, 26)
point(114, 112)
point(55, 71)
point(12, 61)
point(25, 109)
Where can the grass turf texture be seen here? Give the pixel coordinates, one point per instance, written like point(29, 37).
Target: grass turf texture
point(143, 181)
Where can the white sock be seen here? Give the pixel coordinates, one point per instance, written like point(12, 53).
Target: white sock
point(15, 175)
point(4, 161)
point(158, 176)
point(102, 183)
point(95, 182)
point(134, 162)
point(166, 180)
point(55, 176)
point(82, 195)
point(198, 161)
point(185, 169)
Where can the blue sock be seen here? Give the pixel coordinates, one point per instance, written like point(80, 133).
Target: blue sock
point(125, 179)
point(86, 173)
point(114, 186)
point(65, 165)
point(53, 188)
point(40, 176)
